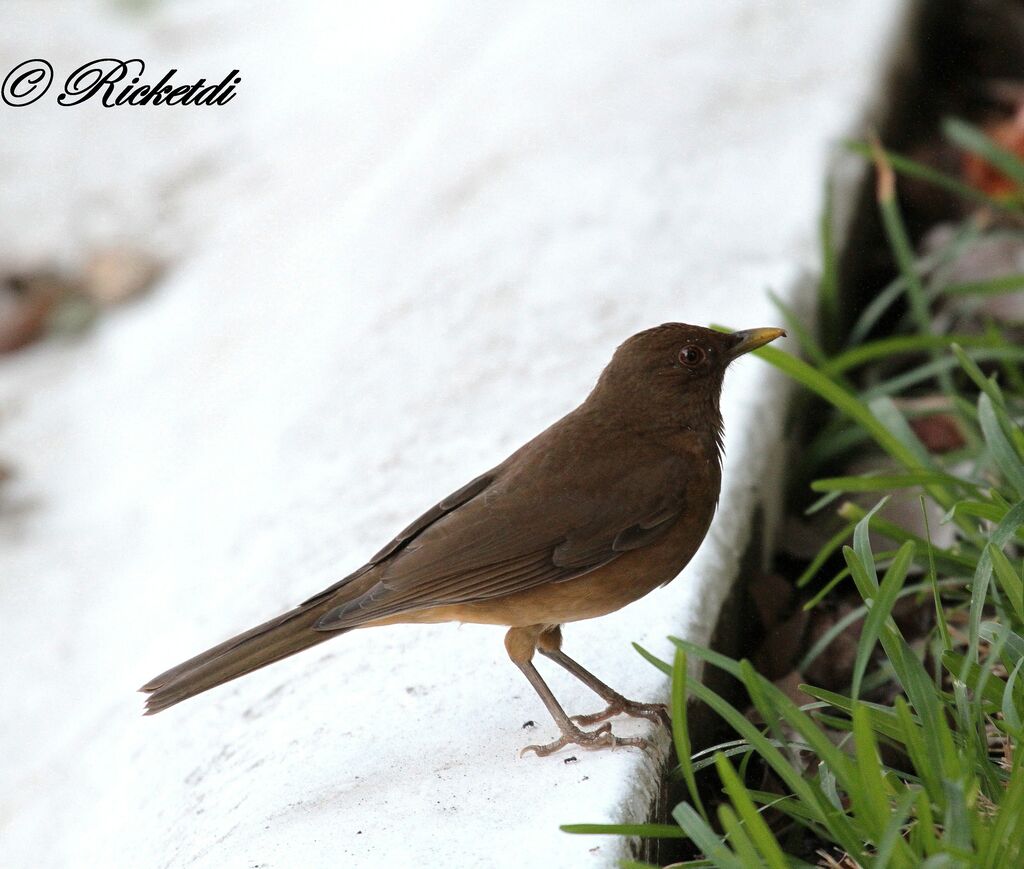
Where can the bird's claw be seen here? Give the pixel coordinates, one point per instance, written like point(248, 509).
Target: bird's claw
point(590, 740)
point(656, 713)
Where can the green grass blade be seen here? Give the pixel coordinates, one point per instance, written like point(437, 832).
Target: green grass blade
point(883, 300)
point(737, 837)
point(983, 573)
point(836, 438)
point(681, 730)
point(740, 748)
point(970, 367)
point(980, 510)
point(774, 706)
point(940, 613)
point(716, 659)
point(645, 831)
point(970, 138)
point(914, 169)
point(823, 502)
point(824, 554)
point(764, 747)
point(992, 287)
point(1011, 584)
point(1003, 453)
point(915, 743)
point(788, 805)
point(951, 560)
point(892, 849)
point(921, 690)
point(879, 482)
point(911, 675)
point(1010, 644)
point(886, 412)
point(969, 672)
point(883, 719)
point(796, 329)
point(923, 832)
point(826, 639)
point(936, 367)
point(881, 605)
point(862, 548)
point(1011, 703)
point(886, 348)
point(835, 821)
point(848, 404)
point(768, 713)
point(869, 794)
point(902, 248)
point(1008, 526)
point(957, 820)
point(701, 834)
point(757, 829)
point(1007, 840)
point(653, 659)
point(824, 591)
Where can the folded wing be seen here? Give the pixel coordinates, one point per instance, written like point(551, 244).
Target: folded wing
point(494, 539)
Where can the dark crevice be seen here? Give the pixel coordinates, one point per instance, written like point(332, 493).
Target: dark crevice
point(951, 66)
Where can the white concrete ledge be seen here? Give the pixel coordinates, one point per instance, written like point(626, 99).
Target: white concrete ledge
point(411, 241)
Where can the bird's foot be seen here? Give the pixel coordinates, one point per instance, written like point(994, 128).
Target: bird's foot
point(590, 740)
point(656, 713)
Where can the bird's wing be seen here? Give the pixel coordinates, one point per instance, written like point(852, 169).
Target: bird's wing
point(507, 532)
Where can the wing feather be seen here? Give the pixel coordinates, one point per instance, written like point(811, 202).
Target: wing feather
point(488, 539)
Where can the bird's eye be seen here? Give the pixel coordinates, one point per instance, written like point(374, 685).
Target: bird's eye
point(691, 355)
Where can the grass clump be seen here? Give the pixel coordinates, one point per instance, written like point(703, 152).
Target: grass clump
point(932, 774)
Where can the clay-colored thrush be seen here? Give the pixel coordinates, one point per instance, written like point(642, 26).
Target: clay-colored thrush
point(596, 511)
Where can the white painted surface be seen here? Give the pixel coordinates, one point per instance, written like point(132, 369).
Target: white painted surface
point(411, 242)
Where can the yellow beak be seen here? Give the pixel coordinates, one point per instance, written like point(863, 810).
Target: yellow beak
point(751, 339)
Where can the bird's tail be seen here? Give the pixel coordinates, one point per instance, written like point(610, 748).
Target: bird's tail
point(280, 637)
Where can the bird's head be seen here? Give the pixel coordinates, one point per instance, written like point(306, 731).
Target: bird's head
point(676, 367)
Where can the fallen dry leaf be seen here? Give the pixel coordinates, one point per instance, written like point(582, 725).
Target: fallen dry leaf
point(1008, 133)
point(782, 645)
point(939, 432)
point(790, 686)
point(114, 275)
point(25, 304)
point(773, 599)
point(833, 668)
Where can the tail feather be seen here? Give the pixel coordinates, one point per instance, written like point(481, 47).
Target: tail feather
point(273, 640)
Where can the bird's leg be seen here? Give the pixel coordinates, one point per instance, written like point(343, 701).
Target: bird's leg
point(521, 644)
point(550, 645)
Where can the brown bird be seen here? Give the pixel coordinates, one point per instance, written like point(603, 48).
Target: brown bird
point(599, 509)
